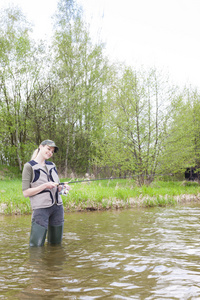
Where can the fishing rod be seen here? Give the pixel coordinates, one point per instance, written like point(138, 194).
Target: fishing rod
point(107, 178)
point(87, 180)
point(65, 191)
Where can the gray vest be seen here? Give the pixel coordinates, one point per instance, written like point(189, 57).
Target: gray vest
point(47, 197)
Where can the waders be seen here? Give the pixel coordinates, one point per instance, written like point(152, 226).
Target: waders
point(38, 235)
point(55, 234)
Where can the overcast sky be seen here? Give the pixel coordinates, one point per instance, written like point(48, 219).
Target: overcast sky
point(160, 33)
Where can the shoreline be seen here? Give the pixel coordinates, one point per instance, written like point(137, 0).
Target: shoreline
point(141, 202)
point(115, 204)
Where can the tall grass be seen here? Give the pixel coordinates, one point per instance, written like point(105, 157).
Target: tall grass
point(100, 195)
point(108, 193)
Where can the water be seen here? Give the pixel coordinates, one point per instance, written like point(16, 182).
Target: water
point(128, 254)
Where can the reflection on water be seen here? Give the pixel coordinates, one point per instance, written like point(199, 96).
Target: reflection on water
point(128, 254)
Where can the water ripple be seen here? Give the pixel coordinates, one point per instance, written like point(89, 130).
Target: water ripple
point(132, 254)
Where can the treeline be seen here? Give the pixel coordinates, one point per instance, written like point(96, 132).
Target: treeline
point(107, 119)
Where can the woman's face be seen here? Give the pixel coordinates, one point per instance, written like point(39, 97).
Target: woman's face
point(46, 151)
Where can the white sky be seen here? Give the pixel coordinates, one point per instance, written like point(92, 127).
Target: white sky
point(160, 33)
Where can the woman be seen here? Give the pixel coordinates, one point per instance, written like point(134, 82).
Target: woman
point(40, 182)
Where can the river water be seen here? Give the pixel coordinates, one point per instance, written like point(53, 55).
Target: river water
point(126, 254)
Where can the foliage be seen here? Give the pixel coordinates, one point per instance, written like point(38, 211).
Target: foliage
point(136, 124)
point(19, 72)
point(107, 119)
point(181, 146)
point(8, 173)
point(80, 70)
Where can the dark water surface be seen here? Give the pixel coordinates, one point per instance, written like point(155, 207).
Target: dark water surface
point(128, 254)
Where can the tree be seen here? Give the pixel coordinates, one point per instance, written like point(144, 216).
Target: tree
point(21, 69)
point(15, 73)
point(181, 147)
point(136, 124)
point(80, 69)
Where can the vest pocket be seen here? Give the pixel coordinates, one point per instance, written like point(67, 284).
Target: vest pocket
point(42, 199)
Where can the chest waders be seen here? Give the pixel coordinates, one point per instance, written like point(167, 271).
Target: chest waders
point(47, 199)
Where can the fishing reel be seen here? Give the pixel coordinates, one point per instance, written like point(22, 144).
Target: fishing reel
point(64, 191)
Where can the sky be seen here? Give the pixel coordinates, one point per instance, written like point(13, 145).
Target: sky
point(149, 33)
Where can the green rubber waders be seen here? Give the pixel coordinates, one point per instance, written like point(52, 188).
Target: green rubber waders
point(55, 234)
point(38, 235)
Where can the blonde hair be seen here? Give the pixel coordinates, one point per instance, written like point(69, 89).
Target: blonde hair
point(35, 153)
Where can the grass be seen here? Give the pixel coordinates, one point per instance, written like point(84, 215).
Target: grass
point(125, 193)
point(11, 197)
point(101, 194)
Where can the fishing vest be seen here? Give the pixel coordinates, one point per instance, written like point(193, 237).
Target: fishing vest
point(47, 197)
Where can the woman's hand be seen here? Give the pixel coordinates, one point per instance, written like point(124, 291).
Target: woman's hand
point(50, 185)
point(64, 188)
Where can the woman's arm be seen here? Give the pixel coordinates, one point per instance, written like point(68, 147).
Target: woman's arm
point(33, 191)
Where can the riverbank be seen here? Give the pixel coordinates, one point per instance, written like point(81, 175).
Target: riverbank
point(104, 195)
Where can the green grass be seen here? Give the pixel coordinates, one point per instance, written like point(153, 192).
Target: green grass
point(100, 194)
point(12, 198)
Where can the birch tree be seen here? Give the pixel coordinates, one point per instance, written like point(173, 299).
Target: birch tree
point(80, 69)
point(136, 124)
